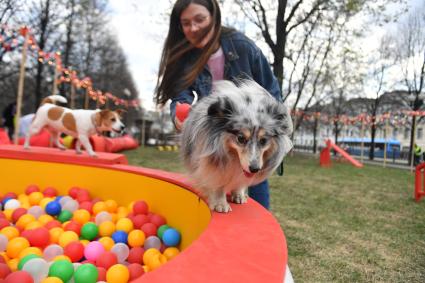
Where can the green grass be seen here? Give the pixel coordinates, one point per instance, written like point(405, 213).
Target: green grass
point(342, 224)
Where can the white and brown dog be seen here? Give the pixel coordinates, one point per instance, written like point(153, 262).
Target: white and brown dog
point(79, 123)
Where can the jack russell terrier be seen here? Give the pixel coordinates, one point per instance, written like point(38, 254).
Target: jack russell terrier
point(79, 123)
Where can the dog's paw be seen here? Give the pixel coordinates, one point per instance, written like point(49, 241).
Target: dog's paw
point(239, 197)
point(222, 207)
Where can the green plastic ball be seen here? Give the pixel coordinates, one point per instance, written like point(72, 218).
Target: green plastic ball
point(64, 216)
point(89, 231)
point(62, 269)
point(161, 230)
point(86, 273)
point(25, 259)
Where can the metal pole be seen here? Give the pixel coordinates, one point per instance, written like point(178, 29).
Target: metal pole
point(362, 140)
point(385, 141)
point(413, 144)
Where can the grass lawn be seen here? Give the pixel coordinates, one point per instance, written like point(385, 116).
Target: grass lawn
point(342, 224)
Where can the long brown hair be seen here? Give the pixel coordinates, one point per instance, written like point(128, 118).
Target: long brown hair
point(180, 62)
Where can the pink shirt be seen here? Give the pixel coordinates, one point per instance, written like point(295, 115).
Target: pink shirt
point(216, 65)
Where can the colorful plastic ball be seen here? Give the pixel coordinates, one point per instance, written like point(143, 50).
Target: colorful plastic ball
point(12, 204)
point(93, 250)
point(149, 254)
point(25, 259)
point(101, 274)
point(121, 251)
point(4, 270)
point(64, 200)
point(156, 261)
point(136, 238)
point(83, 195)
point(73, 192)
point(98, 207)
point(136, 270)
point(171, 237)
point(51, 280)
point(71, 205)
point(64, 216)
point(32, 188)
point(13, 264)
point(30, 250)
point(171, 252)
point(62, 269)
point(106, 260)
point(111, 205)
point(140, 207)
point(19, 276)
point(53, 208)
point(4, 223)
point(10, 232)
point(15, 246)
point(35, 198)
point(124, 224)
point(136, 255)
point(139, 220)
point(161, 230)
point(120, 237)
point(89, 231)
point(74, 250)
point(157, 219)
point(86, 273)
point(50, 192)
point(81, 216)
point(18, 213)
point(35, 211)
point(118, 273)
point(39, 237)
point(67, 237)
point(152, 242)
point(102, 216)
point(3, 242)
point(38, 268)
point(52, 251)
point(107, 242)
point(149, 229)
point(106, 228)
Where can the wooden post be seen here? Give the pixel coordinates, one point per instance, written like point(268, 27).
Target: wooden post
point(86, 102)
point(362, 142)
point(21, 87)
point(385, 140)
point(412, 157)
point(72, 105)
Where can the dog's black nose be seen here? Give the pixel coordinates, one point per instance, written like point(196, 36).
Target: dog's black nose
point(122, 128)
point(254, 169)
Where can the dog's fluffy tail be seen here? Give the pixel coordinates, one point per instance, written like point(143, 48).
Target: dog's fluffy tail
point(53, 99)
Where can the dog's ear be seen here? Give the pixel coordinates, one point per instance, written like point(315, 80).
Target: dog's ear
point(99, 116)
point(223, 108)
point(280, 114)
point(121, 111)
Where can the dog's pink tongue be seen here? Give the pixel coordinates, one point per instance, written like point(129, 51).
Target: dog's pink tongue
point(247, 174)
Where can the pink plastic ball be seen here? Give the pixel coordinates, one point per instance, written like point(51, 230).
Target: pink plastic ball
point(93, 250)
point(19, 276)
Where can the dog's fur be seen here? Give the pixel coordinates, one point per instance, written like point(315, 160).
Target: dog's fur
point(79, 123)
point(234, 138)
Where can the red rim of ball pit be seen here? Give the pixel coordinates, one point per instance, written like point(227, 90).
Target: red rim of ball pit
point(246, 245)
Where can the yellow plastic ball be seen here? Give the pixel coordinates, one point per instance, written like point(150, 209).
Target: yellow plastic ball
point(149, 253)
point(130, 206)
point(117, 273)
point(114, 217)
point(13, 264)
point(45, 218)
point(35, 198)
point(107, 243)
point(99, 207)
point(8, 213)
point(33, 225)
point(171, 252)
point(124, 224)
point(156, 261)
point(60, 257)
point(24, 220)
point(122, 210)
point(111, 205)
point(30, 250)
point(55, 234)
point(84, 242)
point(5, 257)
point(16, 246)
point(52, 280)
point(23, 198)
point(45, 201)
point(67, 237)
point(81, 216)
point(136, 238)
point(106, 228)
point(10, 232)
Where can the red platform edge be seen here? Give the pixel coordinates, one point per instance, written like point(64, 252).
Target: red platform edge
point(246, 245)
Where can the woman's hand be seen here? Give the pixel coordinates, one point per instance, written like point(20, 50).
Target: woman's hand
point(178, 124)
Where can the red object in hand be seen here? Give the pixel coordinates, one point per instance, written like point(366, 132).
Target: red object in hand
point(182, 111)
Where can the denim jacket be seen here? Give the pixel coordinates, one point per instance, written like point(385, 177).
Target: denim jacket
point(243, 59)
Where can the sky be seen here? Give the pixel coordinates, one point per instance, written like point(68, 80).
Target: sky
point(141, 27)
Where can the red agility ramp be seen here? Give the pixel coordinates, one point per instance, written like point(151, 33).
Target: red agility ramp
point(325, 155)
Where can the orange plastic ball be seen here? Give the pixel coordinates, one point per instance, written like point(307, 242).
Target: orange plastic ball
point(10, 232)
point(16, 246)
point(8, 213)
point(25, 219)
point(33, 225)
point(67, 237)
point(55, 234)
point(111, 205)
point(171, 252)
point(106, 228)
point(81, 216)
point(136, 238)
point(45, 218)
point(30, 250)
point(107, 243)
point(13, 264)
point(156, 261)
point(99, 207)
point(117, 273)
point(149, 253)
point(124, 224)
point(35, 198)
